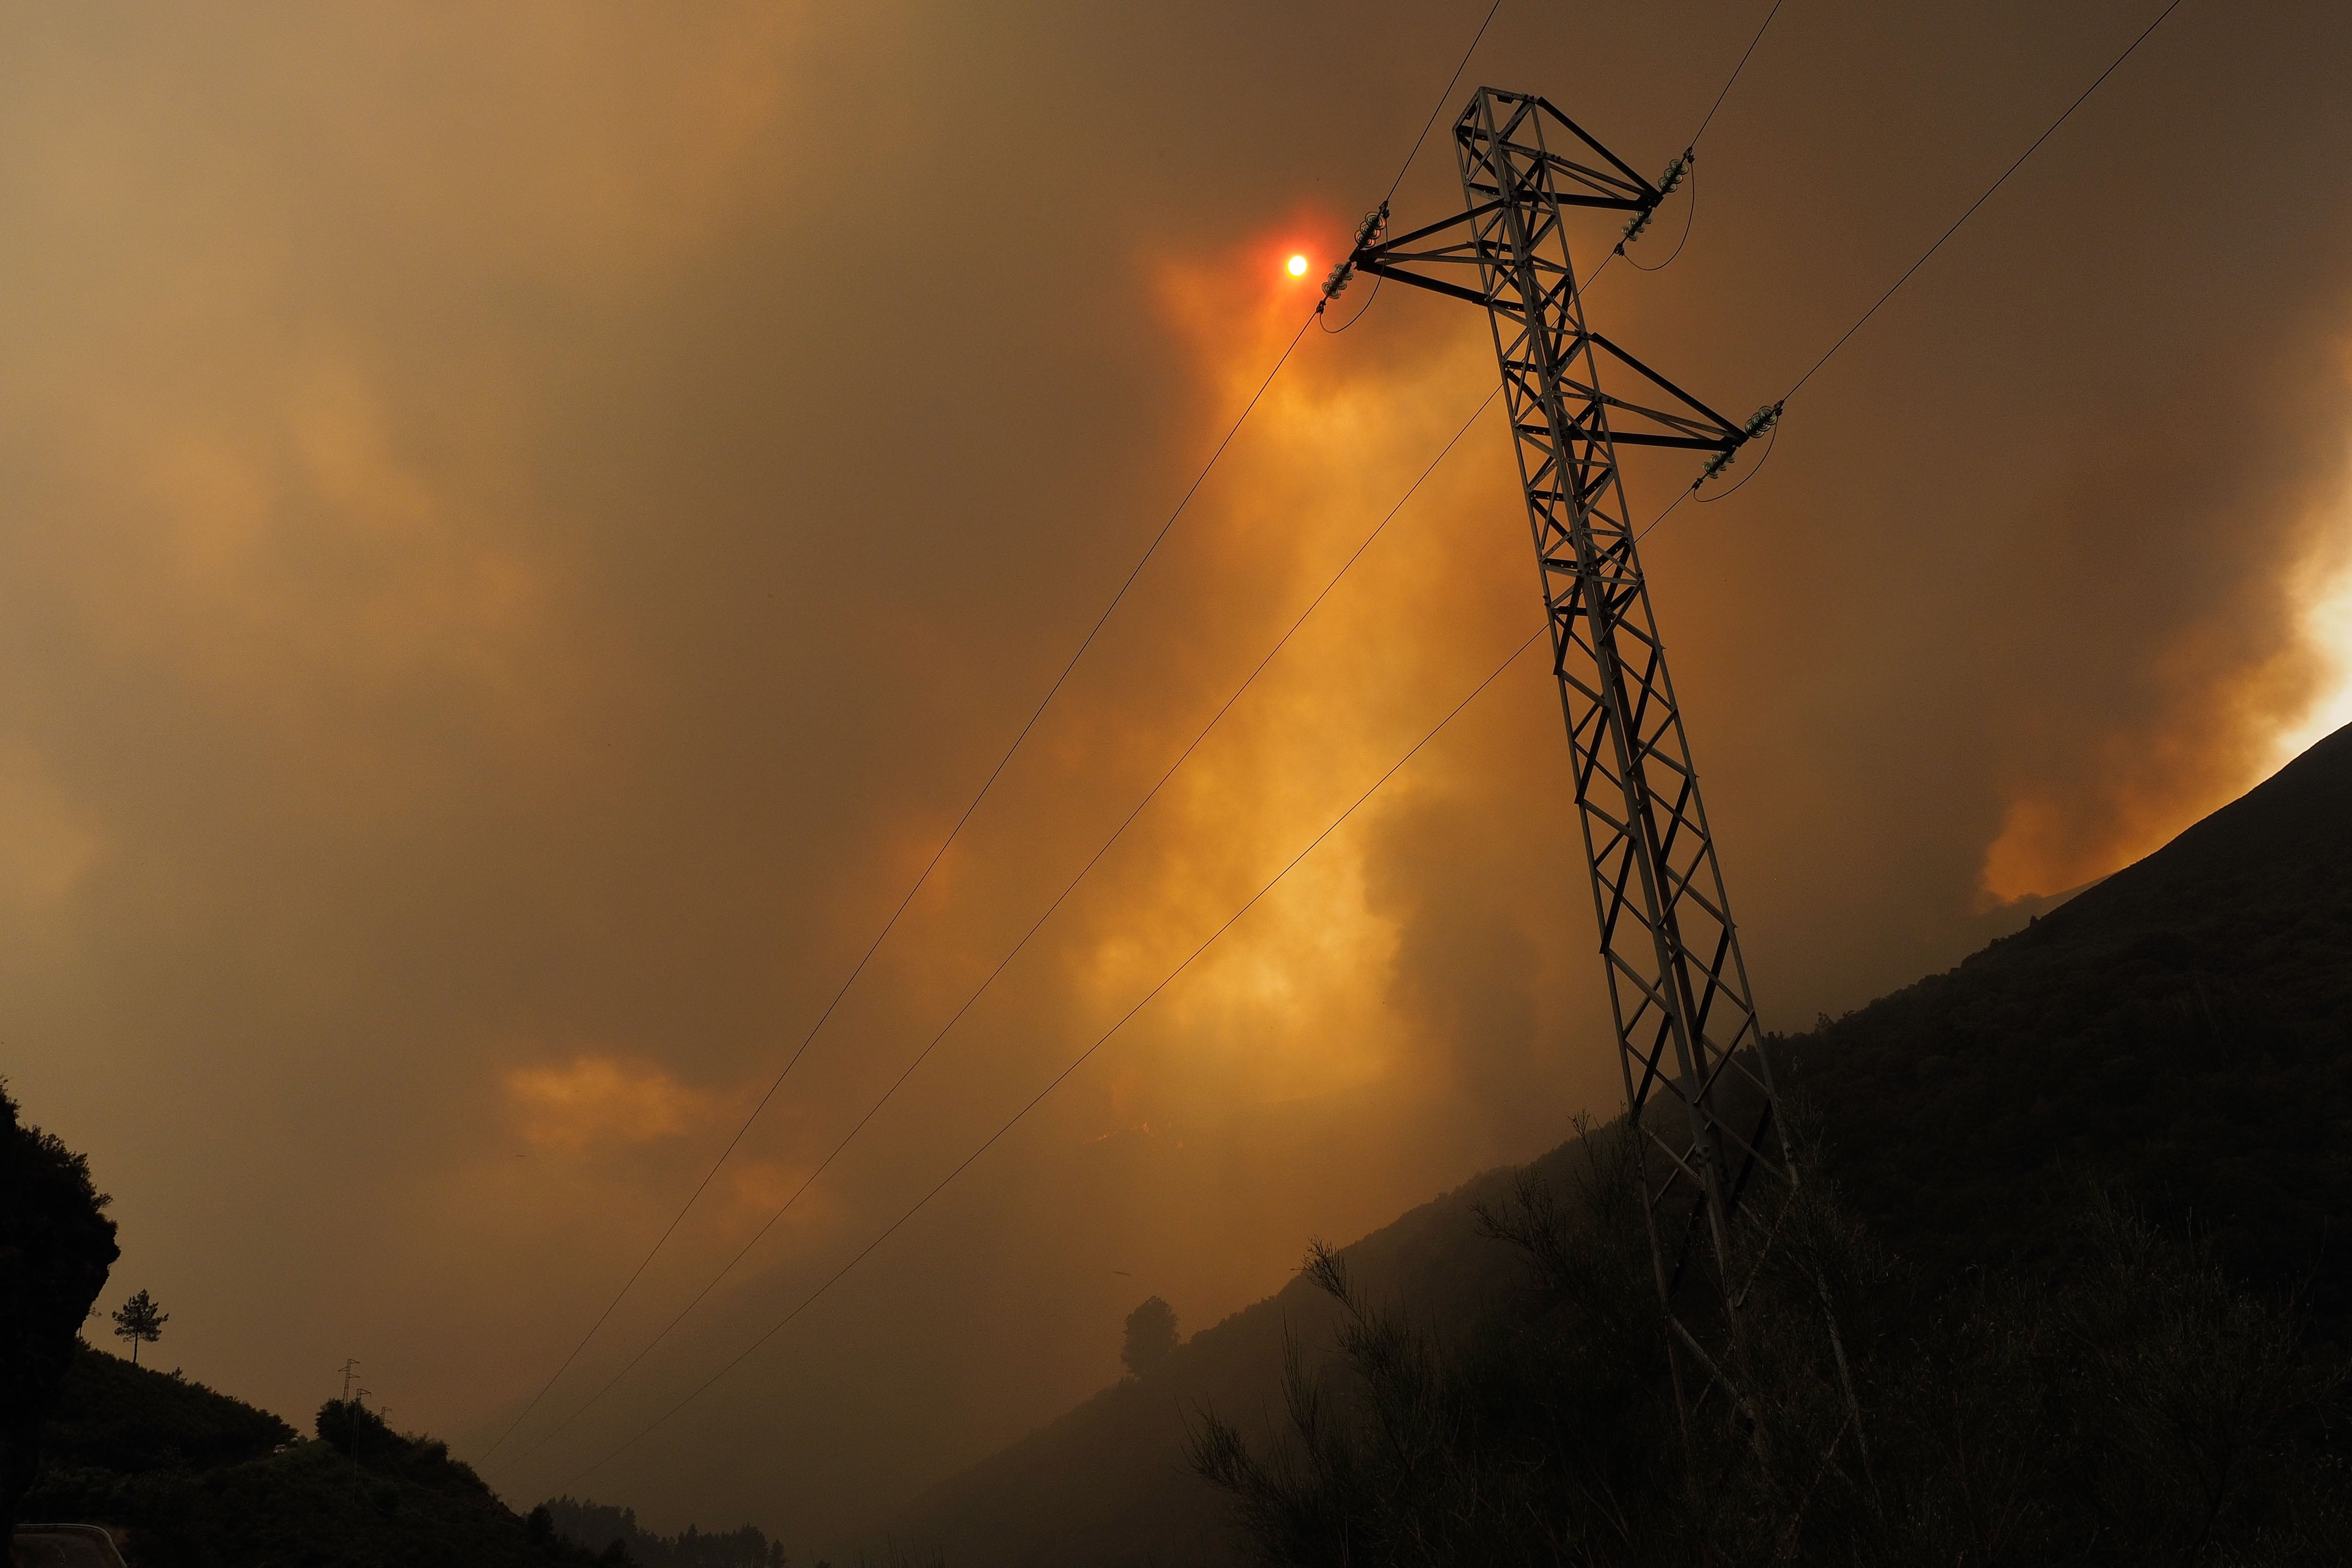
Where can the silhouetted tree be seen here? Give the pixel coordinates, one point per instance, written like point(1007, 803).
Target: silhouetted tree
point(56, 1247)
point(1150, 1337)
point(140, 1321)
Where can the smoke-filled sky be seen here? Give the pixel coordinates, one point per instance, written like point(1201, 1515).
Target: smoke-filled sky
point(525, 527)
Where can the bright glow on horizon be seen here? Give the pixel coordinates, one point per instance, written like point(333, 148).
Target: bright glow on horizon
point(1298, 266)
point(2328, 623)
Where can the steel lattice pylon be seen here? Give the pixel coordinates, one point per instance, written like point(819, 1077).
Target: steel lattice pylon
point(1696, 1084)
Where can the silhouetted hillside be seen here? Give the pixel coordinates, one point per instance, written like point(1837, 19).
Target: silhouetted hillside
point(2181, 1032)
point(116, 1416)
point(2184, 1029)
point(203, 1480)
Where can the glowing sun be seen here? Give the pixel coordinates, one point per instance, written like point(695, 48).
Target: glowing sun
point(1298, 266)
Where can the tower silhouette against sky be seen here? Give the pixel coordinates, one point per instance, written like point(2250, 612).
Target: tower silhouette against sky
point(1696, 1084)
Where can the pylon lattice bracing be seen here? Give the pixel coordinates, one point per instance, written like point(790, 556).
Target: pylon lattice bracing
point(1696, 1084)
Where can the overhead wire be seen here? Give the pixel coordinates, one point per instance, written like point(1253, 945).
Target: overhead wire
point(1443, 96)
point(1762, 27)
point(1771, 442)
point(1059, 1078)
point(1690, 212)
point(1084, 871)
point(1361, 310)
point(1668, 512)
point(1059, 680)
point(1860, 321)
point(1690, 155)
point(1365, 309)
point(2084, 96)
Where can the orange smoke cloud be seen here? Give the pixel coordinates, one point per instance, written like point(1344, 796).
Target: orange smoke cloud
point(598, 1101)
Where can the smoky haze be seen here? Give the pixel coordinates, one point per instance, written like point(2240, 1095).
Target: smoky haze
point(526, 526)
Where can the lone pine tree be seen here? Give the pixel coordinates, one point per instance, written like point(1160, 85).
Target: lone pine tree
point(140, 1322)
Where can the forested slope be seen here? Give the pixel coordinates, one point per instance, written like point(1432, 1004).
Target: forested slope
point(204, 1481)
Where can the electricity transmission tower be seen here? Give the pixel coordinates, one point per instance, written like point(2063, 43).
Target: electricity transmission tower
point(1696, 1084)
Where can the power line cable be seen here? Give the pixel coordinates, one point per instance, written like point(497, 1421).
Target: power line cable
point(1771, 442)
point(1441, 96)
point(986, 785)
point(1861, 320)
point(1690, 157)
point(1734, 76)
point(1003, 963)
point(1690, 212)
point(1059, 1078)
point(1665, 514)
point(2113, 66)
point(1406, 167)
point(1361, 310)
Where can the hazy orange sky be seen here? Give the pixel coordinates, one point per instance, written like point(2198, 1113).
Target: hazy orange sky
point(524, 527)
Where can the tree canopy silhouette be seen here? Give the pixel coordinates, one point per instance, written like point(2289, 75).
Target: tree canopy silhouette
point(1150, 1337)
point(140, 1321)
point(56, 1247)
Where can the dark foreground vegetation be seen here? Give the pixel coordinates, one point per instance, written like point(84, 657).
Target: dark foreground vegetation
point(2127, 1405)
point(202, 1480)
point(199, 1480)
point(191, 1478)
